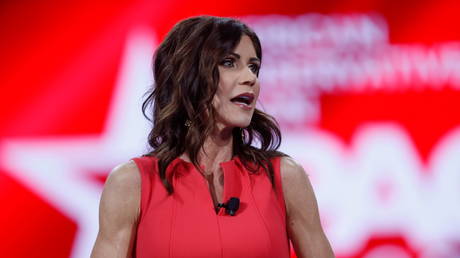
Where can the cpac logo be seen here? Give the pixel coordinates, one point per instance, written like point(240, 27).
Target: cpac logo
point(379, 185)
point(310, 54)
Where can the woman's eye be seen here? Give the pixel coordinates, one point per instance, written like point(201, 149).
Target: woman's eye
point(228, 62)
point(254, 68)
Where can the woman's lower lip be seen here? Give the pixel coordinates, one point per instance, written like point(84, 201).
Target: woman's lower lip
point(243, 106)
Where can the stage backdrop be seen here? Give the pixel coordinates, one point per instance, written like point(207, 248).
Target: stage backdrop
point(367, 94)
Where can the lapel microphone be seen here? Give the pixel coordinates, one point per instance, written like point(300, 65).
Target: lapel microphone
point(231, 206)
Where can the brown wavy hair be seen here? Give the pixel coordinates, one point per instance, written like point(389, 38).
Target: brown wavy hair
point(186, 77)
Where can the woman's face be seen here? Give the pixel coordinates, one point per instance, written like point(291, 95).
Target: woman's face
point(239, 86)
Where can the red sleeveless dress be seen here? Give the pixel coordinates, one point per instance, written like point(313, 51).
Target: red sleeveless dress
point(185, 223)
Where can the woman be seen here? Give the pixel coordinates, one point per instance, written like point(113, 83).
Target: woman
point(175, 201)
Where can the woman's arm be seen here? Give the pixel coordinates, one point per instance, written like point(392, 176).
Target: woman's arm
point(303, 222)
point(118, 213)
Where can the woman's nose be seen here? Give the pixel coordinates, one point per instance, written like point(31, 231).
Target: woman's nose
point(248, 77)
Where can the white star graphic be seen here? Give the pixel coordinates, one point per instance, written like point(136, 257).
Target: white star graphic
point(55, 167)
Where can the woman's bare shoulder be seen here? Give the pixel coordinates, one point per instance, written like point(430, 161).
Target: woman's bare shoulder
point(296, 185)
point(291, 170)
point(304, 225)
point(118, 212)
point(122, 189)
point(126, 174)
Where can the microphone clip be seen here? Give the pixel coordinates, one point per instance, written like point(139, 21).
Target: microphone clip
point(231, 206)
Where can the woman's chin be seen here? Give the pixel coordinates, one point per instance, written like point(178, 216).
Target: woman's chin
point(242, 124)
point(239, 124)
point(235, 121)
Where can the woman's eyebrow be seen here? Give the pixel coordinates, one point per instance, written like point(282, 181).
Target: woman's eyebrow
point(252, 59)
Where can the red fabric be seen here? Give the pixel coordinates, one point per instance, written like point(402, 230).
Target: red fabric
point(185, 224)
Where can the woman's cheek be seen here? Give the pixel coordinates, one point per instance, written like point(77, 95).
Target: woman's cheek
point(216, 102)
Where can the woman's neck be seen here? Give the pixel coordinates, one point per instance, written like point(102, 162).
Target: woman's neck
point(214, 152)
point(217, 148)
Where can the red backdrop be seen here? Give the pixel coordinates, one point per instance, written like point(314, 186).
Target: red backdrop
point(367, 94)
